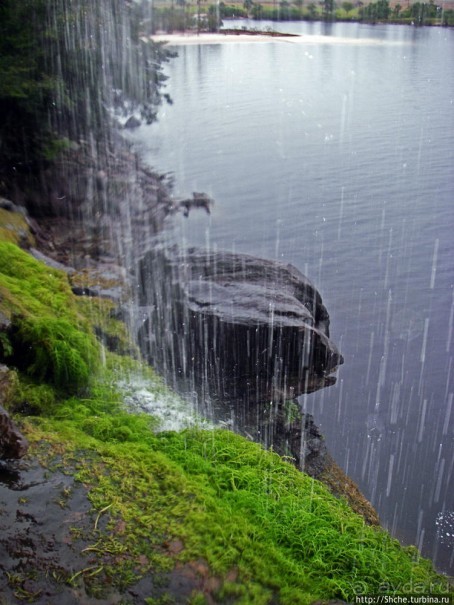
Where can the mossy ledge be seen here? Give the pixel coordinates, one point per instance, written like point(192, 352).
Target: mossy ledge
point(198, 516)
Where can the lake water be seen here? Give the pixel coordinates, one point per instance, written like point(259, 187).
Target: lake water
point(335, 152)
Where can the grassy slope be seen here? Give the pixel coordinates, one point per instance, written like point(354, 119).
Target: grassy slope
point(243, 519)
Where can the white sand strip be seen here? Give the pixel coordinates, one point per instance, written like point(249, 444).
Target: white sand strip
point(217, 38)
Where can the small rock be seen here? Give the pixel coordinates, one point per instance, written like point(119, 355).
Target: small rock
point(12, 443)
point(50, 262)
point(12, 207)
point(132, 123)
point(84, 291)
point(4, 325)
point(199, 200)
point(7, 376)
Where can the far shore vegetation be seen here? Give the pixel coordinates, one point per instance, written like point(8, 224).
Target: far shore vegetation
point(183, 15)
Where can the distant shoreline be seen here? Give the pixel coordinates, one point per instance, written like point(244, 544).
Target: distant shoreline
point(219, 37)
point(253, 36)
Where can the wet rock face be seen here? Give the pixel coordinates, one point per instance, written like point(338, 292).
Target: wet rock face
point(247, 329)
point(12, 443)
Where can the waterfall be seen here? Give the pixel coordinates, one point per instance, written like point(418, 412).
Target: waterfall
point(98, 68)
point(240, 335)
point(88, 69)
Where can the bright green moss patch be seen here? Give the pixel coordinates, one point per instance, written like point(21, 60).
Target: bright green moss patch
point(33, 399)
point(55, 351)
point(285, 519)
point(266, 532)
point(31, 283)
point(48, 338)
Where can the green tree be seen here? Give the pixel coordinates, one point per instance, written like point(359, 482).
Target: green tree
point(328, 8)
point(257, 11)
point(375, 11)
point(25, 87)
point(447, 17)
point(299, 5)
point(423, 12)
point(396, 10)
point(248, 4)
point(214, 18)
point(312, 11)
point(418, 11)
point(383, 9)
point(347, 6)
point(63, 66)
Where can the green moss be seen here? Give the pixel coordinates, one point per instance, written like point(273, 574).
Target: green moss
point(210, 504)
point(30, 286)
point(114, 333)
point(14, 228)
point(229, 503)
point(55, 351)
point(48, 338)
point(33, 399)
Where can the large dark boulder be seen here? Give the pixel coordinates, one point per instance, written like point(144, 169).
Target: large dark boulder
point(237, 327)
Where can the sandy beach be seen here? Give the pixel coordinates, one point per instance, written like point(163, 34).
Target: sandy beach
point(245, 38)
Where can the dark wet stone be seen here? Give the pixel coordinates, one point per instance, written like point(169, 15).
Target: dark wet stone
point(300, 438)
point(249, 328)
point(50, 262)
point(12, 443)
point(132, 123)
point(9, 475)
point(5, 323)
point(6, 204)
point(199, 200)
point(39, 552)
point(81, 291)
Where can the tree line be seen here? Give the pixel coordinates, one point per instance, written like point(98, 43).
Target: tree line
point(182, 15)
point(64, 66)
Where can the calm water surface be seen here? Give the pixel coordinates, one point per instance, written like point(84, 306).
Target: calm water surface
point(336, 153)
